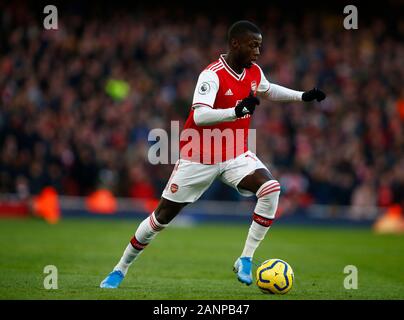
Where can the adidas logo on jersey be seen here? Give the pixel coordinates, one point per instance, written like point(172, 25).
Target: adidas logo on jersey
point(229, 93)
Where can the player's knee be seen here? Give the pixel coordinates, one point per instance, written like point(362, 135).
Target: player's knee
point(164, 215)
point(268, 197)
point(167, 210)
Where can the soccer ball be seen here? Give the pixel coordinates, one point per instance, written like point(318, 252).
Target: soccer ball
point(275, 276)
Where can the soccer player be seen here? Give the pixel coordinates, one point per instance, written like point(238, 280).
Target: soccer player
point(225, 98)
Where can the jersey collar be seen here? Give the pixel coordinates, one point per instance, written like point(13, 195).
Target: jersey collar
point(233, 73)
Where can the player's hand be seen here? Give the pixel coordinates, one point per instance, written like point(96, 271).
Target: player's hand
point(313, 94)
point(247, 105)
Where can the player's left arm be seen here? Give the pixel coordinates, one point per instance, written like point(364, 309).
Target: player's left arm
point(275, 92)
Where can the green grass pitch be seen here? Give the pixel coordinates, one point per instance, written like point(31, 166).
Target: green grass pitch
point(193, 263)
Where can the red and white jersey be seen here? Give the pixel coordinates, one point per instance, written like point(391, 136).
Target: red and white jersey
point(220, 87)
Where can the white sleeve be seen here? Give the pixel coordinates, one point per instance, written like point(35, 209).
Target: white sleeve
point(204, 116)
point(276, 92)
point(279, 93)
point(264, 84)
point(206, 89)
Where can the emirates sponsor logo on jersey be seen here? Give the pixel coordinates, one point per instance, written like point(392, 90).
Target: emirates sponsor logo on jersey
point(254, 86)
point(229, 93)
point(245, 116)
point(174, 188)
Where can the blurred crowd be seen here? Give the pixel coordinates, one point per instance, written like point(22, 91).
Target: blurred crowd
point(59, 125)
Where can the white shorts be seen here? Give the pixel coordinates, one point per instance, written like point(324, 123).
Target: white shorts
point(189, 180)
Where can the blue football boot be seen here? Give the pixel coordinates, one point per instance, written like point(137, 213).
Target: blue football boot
point(242, 267)
point(113, 280)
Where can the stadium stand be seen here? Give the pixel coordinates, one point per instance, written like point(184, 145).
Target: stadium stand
point(61, 125)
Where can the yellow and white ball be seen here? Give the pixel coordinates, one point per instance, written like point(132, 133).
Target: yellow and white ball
point(275, 276)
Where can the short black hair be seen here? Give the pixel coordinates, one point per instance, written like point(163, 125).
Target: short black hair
point(240, 27)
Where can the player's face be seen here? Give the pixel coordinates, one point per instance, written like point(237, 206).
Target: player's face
point(249, 49)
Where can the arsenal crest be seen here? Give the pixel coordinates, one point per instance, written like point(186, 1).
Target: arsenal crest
point(254, 86)
point(174, 188)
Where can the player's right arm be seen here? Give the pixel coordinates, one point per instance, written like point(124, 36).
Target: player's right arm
point(204, 99)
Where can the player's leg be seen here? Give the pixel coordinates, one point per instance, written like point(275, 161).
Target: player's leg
point(148, 230)
point(145, 233)
point(249, 176)
point(267, 190)
point(186, 184)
